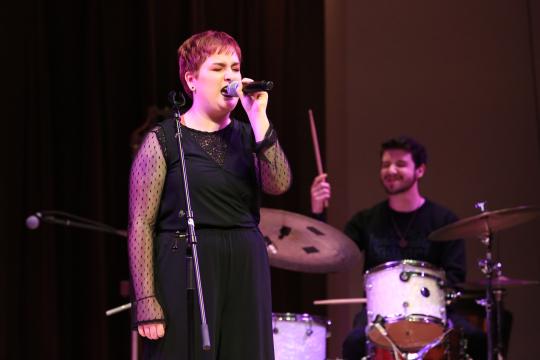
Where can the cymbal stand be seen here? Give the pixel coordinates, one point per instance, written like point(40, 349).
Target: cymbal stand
point(498, 294)
point(488, 267)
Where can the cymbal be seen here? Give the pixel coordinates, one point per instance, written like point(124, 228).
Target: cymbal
point(485, 223)
point(340, 301)
point(305, 244)
point(499, 282)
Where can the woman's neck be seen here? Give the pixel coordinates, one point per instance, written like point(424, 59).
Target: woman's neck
point(203, 121)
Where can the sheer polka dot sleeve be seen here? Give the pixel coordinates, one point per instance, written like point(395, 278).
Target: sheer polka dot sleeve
point(145, 186)
point(274, 168)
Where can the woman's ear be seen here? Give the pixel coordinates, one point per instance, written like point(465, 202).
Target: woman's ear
point(189, 77)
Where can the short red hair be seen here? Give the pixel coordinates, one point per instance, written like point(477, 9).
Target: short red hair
point(195, 50)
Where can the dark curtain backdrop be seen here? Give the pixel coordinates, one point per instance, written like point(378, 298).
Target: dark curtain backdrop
point(79, 78)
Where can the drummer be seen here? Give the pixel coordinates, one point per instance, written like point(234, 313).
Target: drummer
point(397, 228)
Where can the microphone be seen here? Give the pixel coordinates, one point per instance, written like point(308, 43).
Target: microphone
point(32, 222)
point(247, 88)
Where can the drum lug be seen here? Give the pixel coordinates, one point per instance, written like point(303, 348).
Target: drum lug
point(442, 310)
point(405, 305)
point(404, 276)
point(369, 286)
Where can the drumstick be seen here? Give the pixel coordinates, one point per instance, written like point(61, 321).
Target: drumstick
point(340, 301)
point(315, 140)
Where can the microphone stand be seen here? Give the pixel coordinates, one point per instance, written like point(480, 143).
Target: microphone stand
point(74, 221)
point(70, 220)
point(192, 258)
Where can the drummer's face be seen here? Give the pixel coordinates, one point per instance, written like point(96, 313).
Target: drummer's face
point(399, 172)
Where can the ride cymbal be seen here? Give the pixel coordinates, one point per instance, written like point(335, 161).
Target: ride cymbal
point(486, 223)
point(304, 244)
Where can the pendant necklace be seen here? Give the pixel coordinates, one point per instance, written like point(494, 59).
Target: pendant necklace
point(403, 236)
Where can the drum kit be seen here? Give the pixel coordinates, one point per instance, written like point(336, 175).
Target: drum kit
point(405, 300)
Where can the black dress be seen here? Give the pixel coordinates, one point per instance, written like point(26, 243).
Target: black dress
point(225, 172)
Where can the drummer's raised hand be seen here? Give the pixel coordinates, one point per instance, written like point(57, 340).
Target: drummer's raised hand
point(320, 194)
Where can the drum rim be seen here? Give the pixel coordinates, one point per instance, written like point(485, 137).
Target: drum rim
point(428, 319)
point(394, 263)
point(299, 317)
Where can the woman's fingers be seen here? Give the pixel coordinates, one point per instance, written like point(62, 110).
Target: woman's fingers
point(152, 331)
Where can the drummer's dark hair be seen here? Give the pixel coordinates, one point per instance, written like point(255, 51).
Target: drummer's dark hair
point(417, 150)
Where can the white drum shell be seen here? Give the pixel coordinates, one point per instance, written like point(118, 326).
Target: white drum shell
point(299, 337)
point(394, 299)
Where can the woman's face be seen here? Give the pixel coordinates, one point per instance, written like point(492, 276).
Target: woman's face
point(216, 72)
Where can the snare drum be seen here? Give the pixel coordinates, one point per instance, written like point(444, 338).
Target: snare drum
point(410, 296)
point(299, 336)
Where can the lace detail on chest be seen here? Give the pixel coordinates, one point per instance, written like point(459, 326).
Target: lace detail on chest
point(214, 144)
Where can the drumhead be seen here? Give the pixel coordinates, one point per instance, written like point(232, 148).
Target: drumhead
point(392, 264)
point(410, 333)
point(300, 318)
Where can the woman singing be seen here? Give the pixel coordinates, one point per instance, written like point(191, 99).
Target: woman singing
point(228, 162)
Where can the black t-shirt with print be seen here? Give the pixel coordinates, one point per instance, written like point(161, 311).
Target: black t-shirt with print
point(384, 235)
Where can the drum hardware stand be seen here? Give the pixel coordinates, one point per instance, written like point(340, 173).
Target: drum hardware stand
point(463, 348)
point(378, 324)
point(452, 295)
point(192, 258)
point(489, 268)
point(498, 294)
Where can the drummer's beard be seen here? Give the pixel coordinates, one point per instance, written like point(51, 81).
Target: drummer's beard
point(404, 186)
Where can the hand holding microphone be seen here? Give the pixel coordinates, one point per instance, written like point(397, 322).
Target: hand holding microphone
point(247, 87)
point(254, 98)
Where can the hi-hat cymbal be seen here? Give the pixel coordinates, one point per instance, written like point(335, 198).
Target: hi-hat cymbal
point(499, 282)
point(305, 244)
point(485, 223)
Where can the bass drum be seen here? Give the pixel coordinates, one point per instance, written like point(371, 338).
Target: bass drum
point(451, 348)
point(299, 336)
point(409, 297)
